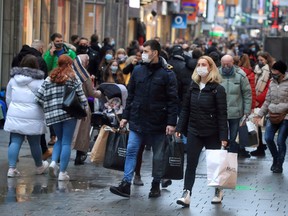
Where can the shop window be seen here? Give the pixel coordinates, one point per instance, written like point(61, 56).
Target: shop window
point(31, 21)
point(63, 17)
point(93, 19)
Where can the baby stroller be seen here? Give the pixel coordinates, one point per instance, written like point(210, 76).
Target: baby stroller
point(110, 108)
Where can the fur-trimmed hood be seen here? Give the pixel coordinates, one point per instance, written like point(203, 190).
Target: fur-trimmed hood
point(24, 75)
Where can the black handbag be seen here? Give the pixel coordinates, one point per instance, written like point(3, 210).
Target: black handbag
point(174, 159)
point(71, 103)
point(116, 147)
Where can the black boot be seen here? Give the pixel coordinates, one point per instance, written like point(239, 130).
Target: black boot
point(243, 153)
point(278, 168)
point(79, 158)
point(273, 164)
point(165, 183)
point(123, 189)
point(155, 190)
point(260, 151)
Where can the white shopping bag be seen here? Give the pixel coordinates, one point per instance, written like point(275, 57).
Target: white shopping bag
point(222, 168)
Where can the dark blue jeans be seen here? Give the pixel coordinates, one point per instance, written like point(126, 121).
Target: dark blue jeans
point(233, 127)
point(270, 131)
point(135, 140)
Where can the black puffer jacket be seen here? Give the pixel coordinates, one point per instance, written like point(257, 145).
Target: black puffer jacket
point(204, 112)
point(152, 98)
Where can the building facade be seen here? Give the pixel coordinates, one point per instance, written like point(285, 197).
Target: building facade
point(22, 21)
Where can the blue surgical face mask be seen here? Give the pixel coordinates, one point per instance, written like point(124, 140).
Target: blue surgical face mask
point(114, 69)
point(108, 57)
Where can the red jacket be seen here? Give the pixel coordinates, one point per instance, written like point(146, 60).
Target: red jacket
point(261, 97)
point(251, 77)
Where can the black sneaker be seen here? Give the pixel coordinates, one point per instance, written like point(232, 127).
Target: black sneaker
point(122, 190)
point(155, 190)
point(260, 152)
point(165, 183)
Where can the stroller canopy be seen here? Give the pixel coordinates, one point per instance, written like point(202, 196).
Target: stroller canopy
point(112, 90)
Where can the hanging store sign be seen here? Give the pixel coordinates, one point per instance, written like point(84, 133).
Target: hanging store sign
point(179, 21)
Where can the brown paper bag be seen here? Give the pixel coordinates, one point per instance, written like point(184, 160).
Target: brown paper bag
point(99, 148)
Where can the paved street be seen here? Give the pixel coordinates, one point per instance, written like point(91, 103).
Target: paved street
point(259, 191)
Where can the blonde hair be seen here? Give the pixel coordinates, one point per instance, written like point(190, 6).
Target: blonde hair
point(213, 76)
point(120, 50)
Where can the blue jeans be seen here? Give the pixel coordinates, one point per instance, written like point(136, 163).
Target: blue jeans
point(62, 148)
point(233, 127)
point(15, 145)
point(270, 131)
point(135, 140)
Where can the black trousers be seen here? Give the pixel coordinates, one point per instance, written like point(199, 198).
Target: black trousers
point(195, 145)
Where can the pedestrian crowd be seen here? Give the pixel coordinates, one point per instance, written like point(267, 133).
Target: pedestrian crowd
point(198, 92)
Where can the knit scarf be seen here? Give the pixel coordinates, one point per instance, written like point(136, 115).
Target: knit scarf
point(262, 78)
point(81, 72)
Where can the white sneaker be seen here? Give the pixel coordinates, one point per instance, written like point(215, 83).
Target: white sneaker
point(63, 186)
point(185, 199)
point(42, 169)
point(53, 169)
point(63, 176)
point(13, 172)
point(217, 199)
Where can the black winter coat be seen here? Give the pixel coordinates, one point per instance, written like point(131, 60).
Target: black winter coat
point(204, 113)
point(183, 75)
point(152, 98)
point(32, 51)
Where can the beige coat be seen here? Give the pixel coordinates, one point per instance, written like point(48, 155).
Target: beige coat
point(82, 139)
point(277, 98)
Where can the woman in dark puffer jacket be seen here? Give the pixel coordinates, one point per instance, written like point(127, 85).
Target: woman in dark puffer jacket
point(204, 118)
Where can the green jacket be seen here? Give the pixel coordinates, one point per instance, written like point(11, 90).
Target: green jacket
point(238, 93)
point(52, 61)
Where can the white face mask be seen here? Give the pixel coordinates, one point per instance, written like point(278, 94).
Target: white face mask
point(202, 71)
point(145, 58)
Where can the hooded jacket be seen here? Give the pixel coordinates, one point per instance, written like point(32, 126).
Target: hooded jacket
point(24, 116)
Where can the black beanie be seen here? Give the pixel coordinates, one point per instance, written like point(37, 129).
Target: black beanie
point(280, 66)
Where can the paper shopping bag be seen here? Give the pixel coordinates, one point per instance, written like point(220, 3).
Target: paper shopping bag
point(222, 168)
point(99, 148)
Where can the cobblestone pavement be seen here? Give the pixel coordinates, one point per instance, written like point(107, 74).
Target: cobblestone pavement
point(258, 192)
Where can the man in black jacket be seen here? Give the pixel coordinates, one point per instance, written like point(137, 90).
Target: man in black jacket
point(36, 49)
point(152, 114)
point(94, 57)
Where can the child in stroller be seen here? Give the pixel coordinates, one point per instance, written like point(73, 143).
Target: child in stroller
point(109, 109)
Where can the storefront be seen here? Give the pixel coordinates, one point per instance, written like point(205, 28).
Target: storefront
point(43, 17)
point(94, 18)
